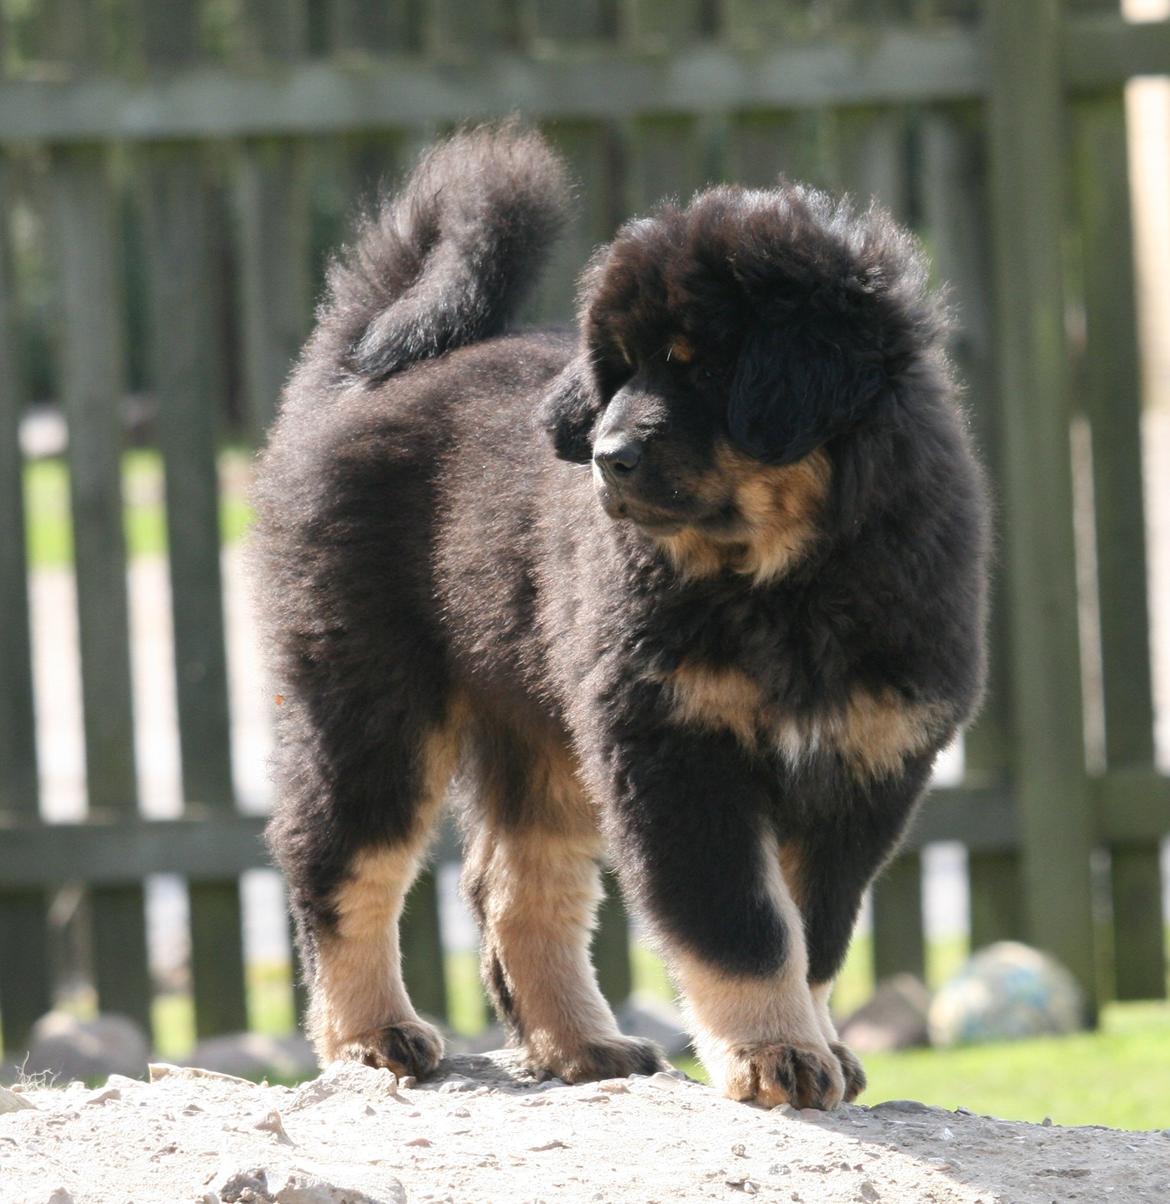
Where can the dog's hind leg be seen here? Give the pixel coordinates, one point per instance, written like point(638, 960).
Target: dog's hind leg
point(531, 876)
point(351, 833)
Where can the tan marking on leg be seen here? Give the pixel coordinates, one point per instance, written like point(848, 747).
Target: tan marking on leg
point(358, 987)
point(779, 508)
point(792, 870)
point(743, 1024)
point(539, 895)
point(851, 1068)
point(821, 992)
point(536, 887)
point(709, 697)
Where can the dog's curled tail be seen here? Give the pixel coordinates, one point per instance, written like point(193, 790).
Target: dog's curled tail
point(448, 260)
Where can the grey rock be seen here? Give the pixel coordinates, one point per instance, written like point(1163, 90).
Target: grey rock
point(256, 1055)
point(901, 1105)
point(1006, 992)
point(11, 1102)
point(894, 1017)
point(87, 1049)
point(345, 1078)
point(237, 1184)
point(303, 1188)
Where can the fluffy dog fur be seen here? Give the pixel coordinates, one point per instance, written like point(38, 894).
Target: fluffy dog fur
point(703, 582)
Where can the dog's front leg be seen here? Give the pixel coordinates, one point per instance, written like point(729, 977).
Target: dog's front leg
point(690, 814)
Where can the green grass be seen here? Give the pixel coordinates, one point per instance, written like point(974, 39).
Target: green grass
point(1118, 1076)
point(46, 493)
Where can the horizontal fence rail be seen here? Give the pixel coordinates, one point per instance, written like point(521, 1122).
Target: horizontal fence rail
point(891, 67)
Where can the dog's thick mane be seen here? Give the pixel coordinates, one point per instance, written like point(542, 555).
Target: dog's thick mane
point(443, 263)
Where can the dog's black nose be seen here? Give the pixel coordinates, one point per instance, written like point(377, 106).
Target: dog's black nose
point(618, 457)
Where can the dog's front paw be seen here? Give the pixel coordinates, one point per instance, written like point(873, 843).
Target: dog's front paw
point(851, 1068)
point(770, 1074)
point(408, 1047)
point(610, 1058)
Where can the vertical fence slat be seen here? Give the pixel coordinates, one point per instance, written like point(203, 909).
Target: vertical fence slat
point(185, 373)
point(665, 159)
point(611, 945)
point(551, 24)
point(954, 191)
point(274, 30)
point(272, 211)
point(376, 26)
point(453, 29)
point(273, 254)
point(871, 162)
point(92, 384)
point(423, 969)
point(1056, 823)
point(899, 941)
point(588, 150)
point(663, 24)
point(767, 145)
point(25, 982)
point(1112, 395)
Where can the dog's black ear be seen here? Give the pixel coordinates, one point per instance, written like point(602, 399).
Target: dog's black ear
point(570, 410)
point(795, 387)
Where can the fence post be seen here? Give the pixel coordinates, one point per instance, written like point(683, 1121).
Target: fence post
point(1112, 398)
point(186, 376)
point(870, 161)
point(25, 987)
point(954, 192)
point(92, 385)
point(1027, 136)
point(272, 211)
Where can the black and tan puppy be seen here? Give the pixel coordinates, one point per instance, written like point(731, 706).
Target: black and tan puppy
point(702, 584)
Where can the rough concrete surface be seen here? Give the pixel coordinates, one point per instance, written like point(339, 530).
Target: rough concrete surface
point(485, 1131)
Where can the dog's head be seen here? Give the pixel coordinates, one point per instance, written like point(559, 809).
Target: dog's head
point(729, 349)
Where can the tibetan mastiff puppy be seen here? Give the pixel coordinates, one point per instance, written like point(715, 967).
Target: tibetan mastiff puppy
point(699, 585)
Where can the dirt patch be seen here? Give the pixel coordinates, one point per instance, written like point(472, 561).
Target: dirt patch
point(485, 1131)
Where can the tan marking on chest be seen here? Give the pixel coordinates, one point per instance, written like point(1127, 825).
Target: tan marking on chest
point(779, 508)
point(874, 733)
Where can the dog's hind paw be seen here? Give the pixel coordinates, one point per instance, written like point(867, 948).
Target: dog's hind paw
point(408, 1047)
point(770, 1074)
point(611, 1058)
point(851, 1068)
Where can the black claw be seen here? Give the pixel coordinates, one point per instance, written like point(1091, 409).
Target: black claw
point(410, 1048)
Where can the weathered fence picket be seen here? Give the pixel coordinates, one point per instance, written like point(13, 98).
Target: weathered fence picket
point(25, 988)
point(247, 138)
point(1111, 395)
point(92, 387)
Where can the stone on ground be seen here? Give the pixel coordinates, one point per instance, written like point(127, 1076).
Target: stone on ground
point(1006, 992)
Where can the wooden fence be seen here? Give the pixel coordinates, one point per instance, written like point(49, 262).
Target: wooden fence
point(187, 162)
